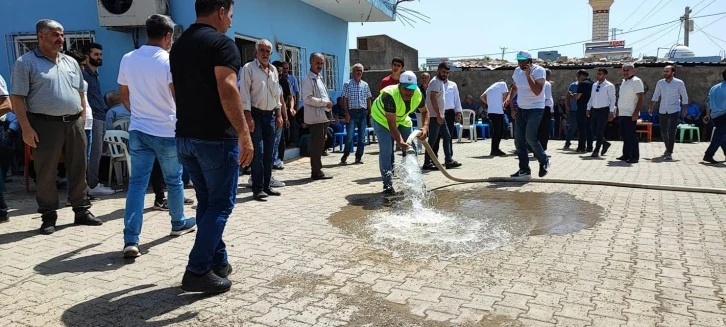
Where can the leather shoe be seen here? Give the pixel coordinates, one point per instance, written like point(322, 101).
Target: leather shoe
point(622, 158)
point(452, 164)
point(632, 161)
point(605, 148)
point(260, 196)
point(223, 271)
point(205, 283)
point(47, 228)
point(272, 192)
point(87, 219)
point(320, 177)
point(429, 166)
point(710, 160)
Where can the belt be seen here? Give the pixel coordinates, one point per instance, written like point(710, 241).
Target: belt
point(262, 112)
point(603, 108)
point(65, 119)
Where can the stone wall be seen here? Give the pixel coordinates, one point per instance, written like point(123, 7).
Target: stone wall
point(698, 80)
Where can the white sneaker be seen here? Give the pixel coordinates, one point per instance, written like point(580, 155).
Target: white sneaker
point(276, 183)
point(101, 190)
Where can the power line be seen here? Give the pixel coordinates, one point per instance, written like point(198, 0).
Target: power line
point(647, 15)
point(633, 13)
point(710, 3)
point(655, 39)
point(694, 7)
point(660, 31)
point(583, 41)
point(710, 38)
point(660, 8)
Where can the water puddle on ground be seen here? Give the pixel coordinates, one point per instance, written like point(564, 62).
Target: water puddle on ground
point(451, 223)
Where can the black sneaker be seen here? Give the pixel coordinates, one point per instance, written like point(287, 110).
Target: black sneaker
point(272, 192)
point(429, 166)
point(566, 147)
point(710, 160)
point(605, 148)
point(389, 191)
point(131, 250)
point(162, 205)
point(205, 283)
point(260, 196)
point(452, 164)
point(594, 154)
point(543, 168)
point(588, 149)
point(521, 174)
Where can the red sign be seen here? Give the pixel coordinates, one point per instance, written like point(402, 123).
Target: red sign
point(617, 43)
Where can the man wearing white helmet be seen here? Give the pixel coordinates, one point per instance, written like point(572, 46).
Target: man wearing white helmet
point(392, 124)
point(529, 82)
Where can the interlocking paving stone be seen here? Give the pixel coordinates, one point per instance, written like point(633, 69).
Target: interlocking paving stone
point(656, 258)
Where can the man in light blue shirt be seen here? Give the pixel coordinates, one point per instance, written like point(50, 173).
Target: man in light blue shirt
point(717, 113)
point(673, 105)
point(117, 109)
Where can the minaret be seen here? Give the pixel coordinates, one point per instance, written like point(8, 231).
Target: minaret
point(600, 19)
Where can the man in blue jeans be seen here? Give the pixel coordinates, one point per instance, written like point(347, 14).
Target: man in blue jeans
point(146, 88)
point(213, 138)
point(529, 81)
point(356, 105)
point(391, 122)
point(717, 113)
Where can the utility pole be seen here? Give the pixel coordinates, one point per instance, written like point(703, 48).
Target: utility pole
point(614, 33)
point(503, 51)
point(686, 25)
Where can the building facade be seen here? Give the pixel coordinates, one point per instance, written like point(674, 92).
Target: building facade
point(296, 29)
point(375, 52)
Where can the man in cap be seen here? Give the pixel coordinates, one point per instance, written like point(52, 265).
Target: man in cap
point(391, 122)
point(528, 86)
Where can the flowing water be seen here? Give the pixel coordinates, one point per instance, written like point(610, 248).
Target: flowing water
point(454, 223)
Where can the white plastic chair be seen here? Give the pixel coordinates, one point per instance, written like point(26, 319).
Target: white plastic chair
point(118, 153)
point(467, 122)
point(121, 124)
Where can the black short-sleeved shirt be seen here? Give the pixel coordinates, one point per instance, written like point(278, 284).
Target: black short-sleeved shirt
point(585, 88)
point(286, 93)
point(193, 58)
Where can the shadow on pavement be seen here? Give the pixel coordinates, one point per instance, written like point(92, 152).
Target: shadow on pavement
point(94, 262)
point(19, 236)
point(138, 309)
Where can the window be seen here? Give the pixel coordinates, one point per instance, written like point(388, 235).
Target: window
point(19, 44)
point(330, 71)
point(296, 56)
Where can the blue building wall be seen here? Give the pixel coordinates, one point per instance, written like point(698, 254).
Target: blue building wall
point(291, 22)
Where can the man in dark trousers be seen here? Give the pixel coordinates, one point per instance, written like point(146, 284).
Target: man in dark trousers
point(584, 91)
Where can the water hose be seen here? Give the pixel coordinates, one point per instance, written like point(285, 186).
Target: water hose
point(414, 138)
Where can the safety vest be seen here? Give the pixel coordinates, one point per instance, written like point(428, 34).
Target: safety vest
point(379, 114)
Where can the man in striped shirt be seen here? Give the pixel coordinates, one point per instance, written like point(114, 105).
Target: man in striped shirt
point(357, 107)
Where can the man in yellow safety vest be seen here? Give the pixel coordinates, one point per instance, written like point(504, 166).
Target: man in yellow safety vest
point(391, 122)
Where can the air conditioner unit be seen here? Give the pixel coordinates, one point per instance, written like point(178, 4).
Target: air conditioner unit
point(128, 13)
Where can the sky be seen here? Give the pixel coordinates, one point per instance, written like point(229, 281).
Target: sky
point(474, 28)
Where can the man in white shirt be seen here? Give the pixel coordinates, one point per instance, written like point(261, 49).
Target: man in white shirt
point(435, 103)
point(543, 133)
point(493, 98)
point(260, 92)
point(529, 81)
point(317, 104)
point(146, 89)
point(673, 107)
point(601, 109)
point(452, 113)
point(630, 100)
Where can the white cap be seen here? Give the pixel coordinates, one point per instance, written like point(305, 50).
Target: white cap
point(408, 80)
point(523, 55)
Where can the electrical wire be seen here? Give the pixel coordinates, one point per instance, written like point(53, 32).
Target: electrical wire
point(710, 3)
point(694, 7)
point(658, 32)
point(655, 39)
point(660, 8)
point(633, 13)
point(579, 42)
point(710, 38)
point(647, 15)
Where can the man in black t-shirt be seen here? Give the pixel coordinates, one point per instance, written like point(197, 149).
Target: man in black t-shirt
point(212, 135)
point(584, 91)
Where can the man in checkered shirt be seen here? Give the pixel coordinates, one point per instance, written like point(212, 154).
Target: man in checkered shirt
point(357, 107)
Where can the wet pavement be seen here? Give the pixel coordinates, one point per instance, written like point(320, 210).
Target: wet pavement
point(324, 253)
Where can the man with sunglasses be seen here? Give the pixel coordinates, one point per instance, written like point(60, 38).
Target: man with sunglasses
point(600, 110)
